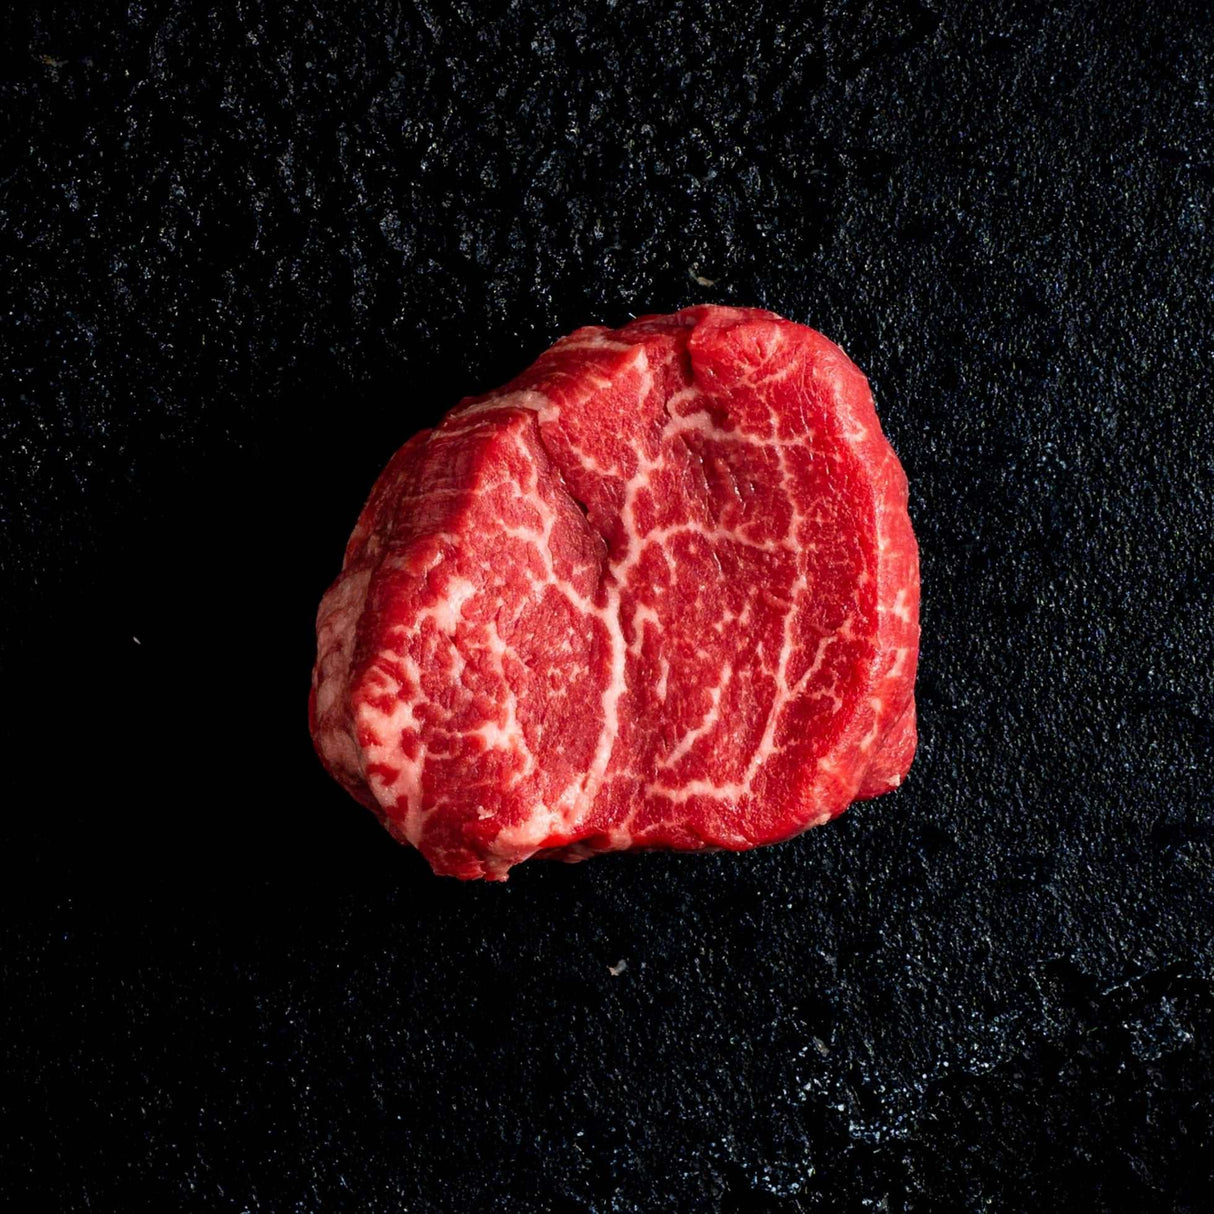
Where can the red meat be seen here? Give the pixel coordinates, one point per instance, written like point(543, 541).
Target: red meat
point(660, 591)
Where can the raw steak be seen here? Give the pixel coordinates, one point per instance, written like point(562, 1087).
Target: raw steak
point(660, 591)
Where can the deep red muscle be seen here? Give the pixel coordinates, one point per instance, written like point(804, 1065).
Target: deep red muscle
point(659, 591)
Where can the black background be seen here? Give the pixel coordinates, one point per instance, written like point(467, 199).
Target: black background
point(245, 249)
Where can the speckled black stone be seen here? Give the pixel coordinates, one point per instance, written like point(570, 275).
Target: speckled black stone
point(245, 249)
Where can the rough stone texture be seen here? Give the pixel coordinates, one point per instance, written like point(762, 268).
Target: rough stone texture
point(245, 249)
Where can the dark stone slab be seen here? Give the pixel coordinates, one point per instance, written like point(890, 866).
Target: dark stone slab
point(246, 249)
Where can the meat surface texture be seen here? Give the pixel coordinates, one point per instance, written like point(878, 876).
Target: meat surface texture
point(659, 591)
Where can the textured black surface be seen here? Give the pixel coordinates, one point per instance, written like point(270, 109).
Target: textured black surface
point(246, 248)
